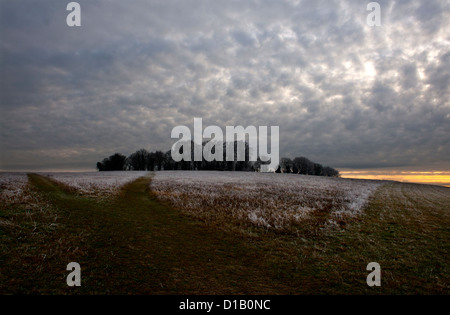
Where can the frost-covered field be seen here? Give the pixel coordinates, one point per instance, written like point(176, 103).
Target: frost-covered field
point(15, 193)
point(95, 183)
point(277, 201)
point(12, 187)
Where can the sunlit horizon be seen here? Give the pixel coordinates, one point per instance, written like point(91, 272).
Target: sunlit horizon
point(441, 178)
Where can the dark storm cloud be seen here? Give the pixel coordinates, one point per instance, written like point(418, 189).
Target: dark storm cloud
point(343, 93)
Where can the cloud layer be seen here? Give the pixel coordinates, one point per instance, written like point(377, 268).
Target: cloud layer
point(343, 93)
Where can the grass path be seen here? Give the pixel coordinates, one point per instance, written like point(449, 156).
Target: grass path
point(136, 245)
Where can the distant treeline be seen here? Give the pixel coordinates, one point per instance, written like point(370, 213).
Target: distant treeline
point(142, 160)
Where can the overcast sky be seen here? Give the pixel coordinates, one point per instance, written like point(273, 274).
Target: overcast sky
point(343, 93)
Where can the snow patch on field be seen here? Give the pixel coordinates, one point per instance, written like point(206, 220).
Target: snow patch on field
point(278, 201)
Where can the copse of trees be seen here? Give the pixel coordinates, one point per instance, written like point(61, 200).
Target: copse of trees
point(302, 165)
point(142, 160)
point(115, 162)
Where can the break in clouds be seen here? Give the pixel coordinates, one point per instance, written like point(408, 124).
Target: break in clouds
point(343, 93)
